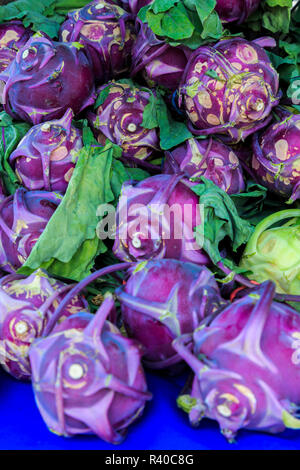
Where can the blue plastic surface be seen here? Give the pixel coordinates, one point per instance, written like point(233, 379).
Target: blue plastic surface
point(163, 425)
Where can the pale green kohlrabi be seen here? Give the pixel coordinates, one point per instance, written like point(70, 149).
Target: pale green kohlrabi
point(273, 252)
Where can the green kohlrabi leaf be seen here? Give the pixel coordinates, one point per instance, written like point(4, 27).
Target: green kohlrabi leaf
point(64, 6)
point(121, 173)
point(188, 22)
point(277, 20)
point(221, 220)
point(156, 114)
point(256, 203)
point(273, 15)
point(211, 23)
point(163, 5)
point(103, 94)
point(174, 23)
point(69, 244)
point(40, 15)
point(250, 203)
point(286, 57)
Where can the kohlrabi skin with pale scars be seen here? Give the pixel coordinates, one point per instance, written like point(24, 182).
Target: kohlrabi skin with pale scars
point(13, 36)
point(236, 10)
point(272, 252)
point(23, 218)
point(156, 219)
point(46, 79)
point(119, 118)
point(26, 306)
point(162, 300)
point(89, 380)
point(246, 365)
point(46, 157)
point(156, 61)
point(107, 33)
point(209, 158)
point(230, 89)
point(276, 157)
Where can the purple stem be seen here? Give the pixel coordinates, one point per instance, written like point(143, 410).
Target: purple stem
point(237, 277)
point(163, 363)
point(146, 60)
point(78, 287)
point(181, 346)
point(247, 168)
point(253, 284)
point(282, 113)
point(62, 290)
point(265, 41)
point(141, 163)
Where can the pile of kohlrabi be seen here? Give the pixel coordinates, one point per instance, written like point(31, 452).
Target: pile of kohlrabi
point(150, 209)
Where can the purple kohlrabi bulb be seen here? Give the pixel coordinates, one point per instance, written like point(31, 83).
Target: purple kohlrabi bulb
point(135, 5)
point(107, 34)
point(157, 61)
point(162, 300)
point(45, 158)
point(276, 157)
point(246, 365)
point(236, 10)
point(23, 218)
point(78, 321)
point(13, 36)
point(46, 78)
point(119, 118)
point(156, 219)
point(89, 380)
point(26, 305)
point(209, 158)
point(230, 89)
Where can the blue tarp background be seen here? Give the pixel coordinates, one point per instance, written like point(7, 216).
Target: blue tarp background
point(163, 425)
